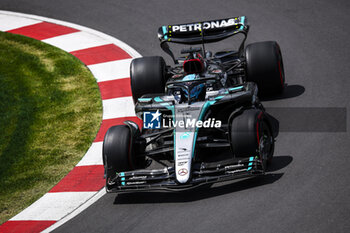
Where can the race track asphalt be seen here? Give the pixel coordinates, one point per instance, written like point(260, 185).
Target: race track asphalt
point(308, 187)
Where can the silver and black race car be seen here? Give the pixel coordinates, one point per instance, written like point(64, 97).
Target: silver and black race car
point(202, 118)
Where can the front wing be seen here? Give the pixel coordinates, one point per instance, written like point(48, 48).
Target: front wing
point(202, 173)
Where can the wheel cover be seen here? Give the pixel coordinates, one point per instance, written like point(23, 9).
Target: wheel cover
point(265, 145)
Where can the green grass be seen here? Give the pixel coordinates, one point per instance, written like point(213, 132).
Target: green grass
point(50, 112)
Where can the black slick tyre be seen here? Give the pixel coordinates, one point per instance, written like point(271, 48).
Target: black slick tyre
point(251, 135)
point(117, 151)
point(264, 66)
point(147, 76)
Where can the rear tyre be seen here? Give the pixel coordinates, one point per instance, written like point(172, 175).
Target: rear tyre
point(118, 152)
point(252, 136)
point(147, 75)
point(264, 66)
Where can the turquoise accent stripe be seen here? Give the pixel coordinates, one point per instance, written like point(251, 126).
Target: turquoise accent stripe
point(144, 99)
point(194, 141)
point(123, 183)
point(219, 97)
point(165, 32)
point(205, 108)
point(189, 77)
point(242, 22)
point(235, 88)
point(251, 159)
point(122, 174)
point(174, 132)
point(170, 107)
point(158, 99)
point(123, 178)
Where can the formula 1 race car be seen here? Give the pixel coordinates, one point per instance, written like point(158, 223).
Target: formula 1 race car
point(202, 118)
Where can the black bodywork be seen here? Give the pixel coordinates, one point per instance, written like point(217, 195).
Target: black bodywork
point(206, 168)
point(227, 94)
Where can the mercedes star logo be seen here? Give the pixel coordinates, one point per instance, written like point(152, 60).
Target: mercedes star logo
point(182, 172)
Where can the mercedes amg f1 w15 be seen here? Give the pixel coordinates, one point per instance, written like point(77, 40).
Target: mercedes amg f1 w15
point(202, 118)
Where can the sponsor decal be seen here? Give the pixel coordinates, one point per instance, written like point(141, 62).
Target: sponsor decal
point(206, 25)
point(187, 155)
point(183, 159)
point(138, 178)
point(181, 163)
point(236, 171)
point(185, 135)
point(136, 182)
point(216, 71)
point(151, 120)
point(182, 172)
point(188, 109)
point(233, 166)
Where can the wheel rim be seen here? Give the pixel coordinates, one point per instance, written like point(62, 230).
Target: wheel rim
point(265, 145)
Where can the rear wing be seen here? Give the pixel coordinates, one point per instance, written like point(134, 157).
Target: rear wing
point(202, 32)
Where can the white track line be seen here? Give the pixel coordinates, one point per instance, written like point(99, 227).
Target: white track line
point(111, 70)
point(118, 107)
point(77, 211)
point(54, 206)
point(93, 156)
point(76, 41)
point(12, 22)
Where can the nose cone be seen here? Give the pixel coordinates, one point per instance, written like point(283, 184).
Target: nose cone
point(184, 138)
point(183, 155)
point(183, 173)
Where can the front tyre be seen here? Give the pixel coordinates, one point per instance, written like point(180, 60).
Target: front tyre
point(264, 66)
point(118, 151)
point(251, 135)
